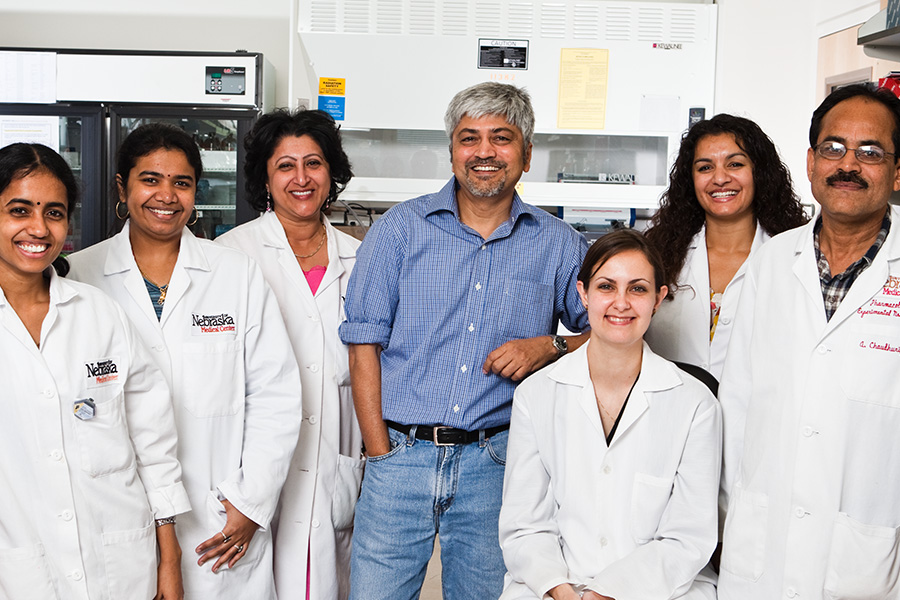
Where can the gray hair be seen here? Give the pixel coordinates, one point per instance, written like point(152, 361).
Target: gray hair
point(492, 98)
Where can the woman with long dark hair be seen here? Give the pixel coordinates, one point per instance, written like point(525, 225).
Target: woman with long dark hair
point(728, 193)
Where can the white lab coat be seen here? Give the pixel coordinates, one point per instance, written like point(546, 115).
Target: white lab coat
point(224, 350)
point(319, 496)
point(635, 521)
point(812, 414)
point(680, 329)
point(78, 496)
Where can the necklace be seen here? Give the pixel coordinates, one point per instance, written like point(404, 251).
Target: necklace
point(319, 247)
point(162, 289)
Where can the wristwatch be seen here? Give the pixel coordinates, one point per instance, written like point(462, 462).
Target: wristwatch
point(561, 345)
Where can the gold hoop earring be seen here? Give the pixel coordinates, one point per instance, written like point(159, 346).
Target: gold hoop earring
point(196, 217)
point(120, 216)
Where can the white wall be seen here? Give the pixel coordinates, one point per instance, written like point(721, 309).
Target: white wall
point(192, 25)
point(835, 15)
point(766, 71)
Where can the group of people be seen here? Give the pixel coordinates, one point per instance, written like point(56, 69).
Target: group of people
point(287, 413)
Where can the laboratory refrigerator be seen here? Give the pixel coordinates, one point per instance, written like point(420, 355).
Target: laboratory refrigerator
point(84, 103)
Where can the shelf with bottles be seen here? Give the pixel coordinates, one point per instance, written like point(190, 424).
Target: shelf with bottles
point(219, 161)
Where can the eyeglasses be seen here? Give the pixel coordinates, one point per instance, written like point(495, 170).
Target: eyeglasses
point(870, 155)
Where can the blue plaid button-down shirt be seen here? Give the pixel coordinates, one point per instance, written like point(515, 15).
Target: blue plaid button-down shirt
point(439, 298)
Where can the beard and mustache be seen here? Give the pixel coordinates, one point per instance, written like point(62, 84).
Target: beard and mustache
point(485, 189)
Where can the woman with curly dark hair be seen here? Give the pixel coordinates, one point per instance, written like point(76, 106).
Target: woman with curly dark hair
point(728, 193)
point(295, 168)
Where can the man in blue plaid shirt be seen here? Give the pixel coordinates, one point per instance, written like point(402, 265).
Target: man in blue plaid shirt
point(454, 299)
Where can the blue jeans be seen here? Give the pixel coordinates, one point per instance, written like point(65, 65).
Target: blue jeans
point(415, 491)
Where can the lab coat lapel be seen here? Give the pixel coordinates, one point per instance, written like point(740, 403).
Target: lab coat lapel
point(276, 240)
point(190, 257)
point(657, 374)
point(573, 370)
point(806, 270)
point(699, 265)
point(335, 267)
point(121, 267)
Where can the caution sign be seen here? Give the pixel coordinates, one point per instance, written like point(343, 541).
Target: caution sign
point(332, 86)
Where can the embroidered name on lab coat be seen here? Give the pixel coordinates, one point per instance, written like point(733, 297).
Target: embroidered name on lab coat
point(102, 372)
point(205, 324)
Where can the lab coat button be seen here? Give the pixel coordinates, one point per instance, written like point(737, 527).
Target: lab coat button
point(313, 419)
point(314, 318)
point(725, 320)
point(821, 349)
point(790, 592)
point(799, 512)
point(604, 541)
point(66, 515)
point(807, 431)
point(607, 469)
point(159, 347)
point(48, 392)
point(77, 575)
point(315, 522)
point(56, 455)
point(314, 368)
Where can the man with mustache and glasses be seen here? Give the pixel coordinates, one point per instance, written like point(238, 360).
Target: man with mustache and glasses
point(810, 391)
point(454, 299)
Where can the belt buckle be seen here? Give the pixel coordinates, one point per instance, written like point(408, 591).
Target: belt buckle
point(436, 428)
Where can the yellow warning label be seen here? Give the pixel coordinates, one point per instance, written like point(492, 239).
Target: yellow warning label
point(332, 86)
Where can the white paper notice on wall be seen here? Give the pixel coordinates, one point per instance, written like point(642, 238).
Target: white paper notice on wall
point(29, 129)
point(660, 113)
point(28, 77)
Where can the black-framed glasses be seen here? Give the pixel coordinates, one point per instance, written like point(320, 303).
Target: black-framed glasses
point(870, 155)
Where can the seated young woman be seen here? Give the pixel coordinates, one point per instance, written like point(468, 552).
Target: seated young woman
point(614, 452)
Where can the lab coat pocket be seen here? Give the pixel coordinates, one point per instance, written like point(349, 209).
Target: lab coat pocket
point(103, 440)
point(213, 383)
point(130, 558)
point(522, 298)
point(874, 357)
point(347, 482)
point(744, 538)
point(24, 573)
point(649, 498)
point(864, 562)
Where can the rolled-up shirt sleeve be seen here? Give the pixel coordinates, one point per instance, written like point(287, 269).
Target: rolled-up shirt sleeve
point(568, 303)
point(373, 290)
